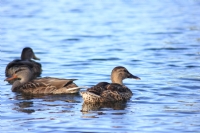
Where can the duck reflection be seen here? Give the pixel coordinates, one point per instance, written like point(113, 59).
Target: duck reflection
point(86, 107)
point(31, 103)
point(57, 97)
point(23, 107)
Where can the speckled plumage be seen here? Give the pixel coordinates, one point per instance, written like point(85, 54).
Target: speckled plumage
point(110, 92)
point(47, 85)
point(23, 83)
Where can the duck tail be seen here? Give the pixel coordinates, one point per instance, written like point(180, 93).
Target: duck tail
point(75, 89)
point(92, 94)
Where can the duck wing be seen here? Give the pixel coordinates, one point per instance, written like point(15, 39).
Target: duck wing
point(48, 85)
point(34, 88)
point(116, 92)
point(99, 88)
point(57, 82)
point(117, 87)
point(59, 85)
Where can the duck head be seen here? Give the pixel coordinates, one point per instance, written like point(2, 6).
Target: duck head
point(22, 74)
point(120, 73)
point(28, 54)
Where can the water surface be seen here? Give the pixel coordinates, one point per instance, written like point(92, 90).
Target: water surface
point(157, 41)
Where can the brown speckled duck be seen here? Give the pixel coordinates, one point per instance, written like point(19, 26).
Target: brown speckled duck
point(110, 92)
point(24, 83)
point(25, 61)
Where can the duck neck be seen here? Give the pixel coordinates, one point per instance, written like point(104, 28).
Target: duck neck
point(15, 85)
point(25, 56)
point(116, 79)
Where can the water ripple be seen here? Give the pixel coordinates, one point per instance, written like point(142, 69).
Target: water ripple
point(85, 40)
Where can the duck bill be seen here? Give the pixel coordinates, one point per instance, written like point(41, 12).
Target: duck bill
point(36, 58)
point(133, 77)
point(14, 76)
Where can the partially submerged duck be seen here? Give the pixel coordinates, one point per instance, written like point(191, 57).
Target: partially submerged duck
point(110, 92)
point(24, 83)
point(25, 61)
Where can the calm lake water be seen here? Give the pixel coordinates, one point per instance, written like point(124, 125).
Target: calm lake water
point(157, 41)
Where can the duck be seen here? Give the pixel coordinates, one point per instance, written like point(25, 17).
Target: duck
point(110, 92)
point(26, 84)
point(26, 55)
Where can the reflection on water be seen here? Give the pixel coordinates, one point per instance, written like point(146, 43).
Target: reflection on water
point(84, 40)
point(98, 106)
point(51, 98)
point(26, 102)
point(21, 107)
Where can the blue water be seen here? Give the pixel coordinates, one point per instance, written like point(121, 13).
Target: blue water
point(159, 41)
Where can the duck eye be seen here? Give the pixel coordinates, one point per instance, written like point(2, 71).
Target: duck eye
point(125, 70)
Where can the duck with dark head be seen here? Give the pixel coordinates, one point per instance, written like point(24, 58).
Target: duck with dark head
point(25, 61)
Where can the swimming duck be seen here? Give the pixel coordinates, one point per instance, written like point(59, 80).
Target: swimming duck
point(25, 61)
point(110, 92)
point(24, 83)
